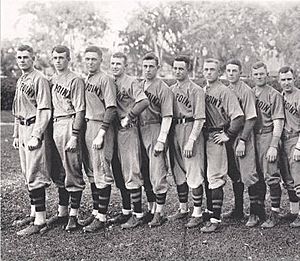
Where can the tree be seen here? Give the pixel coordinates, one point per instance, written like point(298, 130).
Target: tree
point(75, 24)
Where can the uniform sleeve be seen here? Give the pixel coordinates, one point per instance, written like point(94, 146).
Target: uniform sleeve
point(277, 106)
point(198, 103)
point(137, 91)
point(109, 93)
point(231, 105)
point(166, 100)
point(78, 94)
point(249, 107)
point(43, 94)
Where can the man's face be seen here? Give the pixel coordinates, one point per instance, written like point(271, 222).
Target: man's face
point(233, 73)
point(25, 60)
point(150, 69)
point(117, 66)
point(259, 76)
point(92, 61)
point(211, 71)
point(60, 61)
point(180, 70)
point(287, 81)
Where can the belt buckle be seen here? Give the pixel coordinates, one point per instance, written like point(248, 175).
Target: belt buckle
point(183, 120)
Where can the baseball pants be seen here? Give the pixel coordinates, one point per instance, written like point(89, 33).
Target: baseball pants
point(67, 165)
point(97, 163)
point(35, 164)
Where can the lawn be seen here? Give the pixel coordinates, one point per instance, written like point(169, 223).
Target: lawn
point(172, 241)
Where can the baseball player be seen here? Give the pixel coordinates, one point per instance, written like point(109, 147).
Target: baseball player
point(154, 125)
point(100, 95)
point(268, 129)
point(224, 119)
point(32, 111)
point(68, 117)
point(187, 143)
point(290, 151)
point(241, 156)
point(131, 101)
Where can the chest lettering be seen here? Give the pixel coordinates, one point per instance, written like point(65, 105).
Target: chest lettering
point(61, 90)
point(263, 106)
point(92, 88)
point(152, 98)
point(184, 100)
point(213, 100)
point(290, 107)
point(27, 89)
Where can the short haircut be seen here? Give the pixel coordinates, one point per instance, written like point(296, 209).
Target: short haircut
point(151, 56)
point(213, 60)
point(94, 49)
point(25, 47)
point(286, 69)
point(61, 49)
point(235, 62)
point(183, 58)
point(120, 55)
point(258, 65)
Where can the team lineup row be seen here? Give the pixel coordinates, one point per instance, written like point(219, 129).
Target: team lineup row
point(122, 130)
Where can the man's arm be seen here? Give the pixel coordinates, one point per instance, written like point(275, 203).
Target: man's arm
point(277, 131)
point(16, 134)
point(162, 137)
point(196, 130)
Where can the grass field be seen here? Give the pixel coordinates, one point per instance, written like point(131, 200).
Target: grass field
point(172, 241)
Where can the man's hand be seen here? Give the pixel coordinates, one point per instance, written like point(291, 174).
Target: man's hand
point(220, 138)
point(296, 154)
point(125, 122)
point(16, 143)
point(72, 144)
point(240, 150)
point(188, 149)
point(271, 154)
point(158, 148)
point(34, 143)
point(98, 142)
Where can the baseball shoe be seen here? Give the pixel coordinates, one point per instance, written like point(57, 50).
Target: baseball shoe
point(94, 226)
point(86, 221)
point(119, 219)
point(296, 222)
point(30, 230)
point(54, 222)
point(132, 222)
point(272, 221)
point(206, 215)
point(72, 224)
point(252, 221)
point(194, 222)
point(234, 214)
point(178, 215)
point(23, 222)
point(210, 227)
point(157, 220)
point(147, 217)
point(288, 216)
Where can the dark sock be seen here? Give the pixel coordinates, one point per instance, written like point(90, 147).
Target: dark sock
point(75, 199)
point(197, 195)
point(161, 198)
point(217, 201)
point(104, 196)
point(63, 196)
point(39, 199)
point(136, 199)
point(183, 191)
point(95, 196)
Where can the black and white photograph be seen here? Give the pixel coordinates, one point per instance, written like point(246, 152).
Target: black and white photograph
point(150, 130)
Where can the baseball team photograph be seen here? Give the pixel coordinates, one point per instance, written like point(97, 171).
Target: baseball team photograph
point(150, 130)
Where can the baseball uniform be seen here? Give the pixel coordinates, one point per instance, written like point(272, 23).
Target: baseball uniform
point(189, 105)
point(32, 111)
point(67, 99)
point(222, 108)
point(290, 137)
point(161, 105)
point(129, 93)
point(269, 106)
point(33, 94)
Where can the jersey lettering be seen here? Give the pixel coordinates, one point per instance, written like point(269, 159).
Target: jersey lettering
point(263, 106)
point(93, 89)
point(27, 89)
point(290, 108)
point(152, 98)
point(213, 100)
point(61, 90)
point(184, 100)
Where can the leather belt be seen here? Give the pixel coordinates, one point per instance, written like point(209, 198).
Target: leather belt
point(27, 122)
point(86, 119)
point(212, 129)
point(287, 136)
point(264, 130)
point(183, 120)
point(58, 118)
